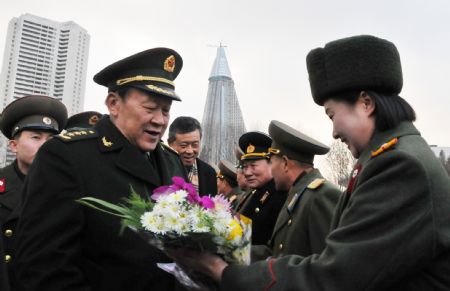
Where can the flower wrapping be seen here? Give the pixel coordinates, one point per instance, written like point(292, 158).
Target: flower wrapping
point(176, 216)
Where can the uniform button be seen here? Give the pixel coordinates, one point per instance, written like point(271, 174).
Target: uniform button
point(289, 221)
point(280, 246)
point(8, 258)
point(8, 233)
point(257, 209)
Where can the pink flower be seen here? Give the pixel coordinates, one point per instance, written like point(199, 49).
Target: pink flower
point(178, 184)
point(206, 202)
point(220, 202)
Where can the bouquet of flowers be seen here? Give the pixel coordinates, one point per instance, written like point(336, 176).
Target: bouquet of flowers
point(176, 216)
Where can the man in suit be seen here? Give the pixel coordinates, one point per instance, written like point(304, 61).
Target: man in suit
point(391, 228)
point(63, 245)
point(27, 123)
point(185, 135)
point(262, 202)
point(304, 221)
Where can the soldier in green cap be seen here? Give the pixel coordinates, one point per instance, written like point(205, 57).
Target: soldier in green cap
point(391, 228)
point(304, 220)
point(262, 202)
point(79, 248)
point(27, 123)
point(226, 182)
point(240, 177)
point(82, 120)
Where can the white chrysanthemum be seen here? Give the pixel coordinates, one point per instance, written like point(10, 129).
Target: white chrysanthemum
point(197, 218)
point(152, 222)
point(178, 196)
point(173, 224)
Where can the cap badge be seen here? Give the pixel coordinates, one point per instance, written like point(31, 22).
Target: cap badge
point(93, 120)
point(250, 148)
point(47, 120)
point(169, 64)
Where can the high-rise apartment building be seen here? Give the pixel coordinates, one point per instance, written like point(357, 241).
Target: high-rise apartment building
point(222, 117)
point(44, 57)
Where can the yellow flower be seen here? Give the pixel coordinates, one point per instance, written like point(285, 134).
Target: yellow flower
point(235, 230)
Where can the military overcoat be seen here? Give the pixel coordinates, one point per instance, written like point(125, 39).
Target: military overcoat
point(11, 183)
point(63, 245)
point(305, 219)
point(392, 232)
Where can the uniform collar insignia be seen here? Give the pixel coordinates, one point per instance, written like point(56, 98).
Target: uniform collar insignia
point(106, 142)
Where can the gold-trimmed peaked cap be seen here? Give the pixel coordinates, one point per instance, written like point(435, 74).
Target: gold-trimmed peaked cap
point(33, 112)
point(255, 145)
point(294, 144)
point(152, 70)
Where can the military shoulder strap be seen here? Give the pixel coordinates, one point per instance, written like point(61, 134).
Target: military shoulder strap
point(384, 147)
point(69, 136)
point(316, 183)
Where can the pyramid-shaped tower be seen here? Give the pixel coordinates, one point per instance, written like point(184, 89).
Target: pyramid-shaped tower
point(222, 117)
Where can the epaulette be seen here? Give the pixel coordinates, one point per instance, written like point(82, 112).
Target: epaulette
point(384, 147)
point(75, 135)
point(168, 147)
point(316, 183)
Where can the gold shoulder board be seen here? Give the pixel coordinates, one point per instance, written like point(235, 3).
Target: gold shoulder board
point(385, 147)
point(76, 135)
point(316, 183)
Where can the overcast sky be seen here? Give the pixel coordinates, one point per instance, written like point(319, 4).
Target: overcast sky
point(267, 43)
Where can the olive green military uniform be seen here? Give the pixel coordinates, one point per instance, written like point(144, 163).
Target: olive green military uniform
point(36, 113)
point(304, 221)
point(392, 233)
point(391, 228)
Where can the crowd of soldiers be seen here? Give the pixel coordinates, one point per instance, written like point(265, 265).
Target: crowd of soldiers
point(390, 229)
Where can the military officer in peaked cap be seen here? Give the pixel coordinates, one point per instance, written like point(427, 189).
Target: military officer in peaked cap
point(391, 227)
point(27, 123)
point(304, 221)
point(262, 202)
point(78, 248)
point(226, 182)
point(83, 120)
point(242, 183)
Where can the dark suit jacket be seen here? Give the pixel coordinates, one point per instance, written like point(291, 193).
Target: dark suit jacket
point(206, 179)
point(10, 200)
point(391, 233)
point(63, 245)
